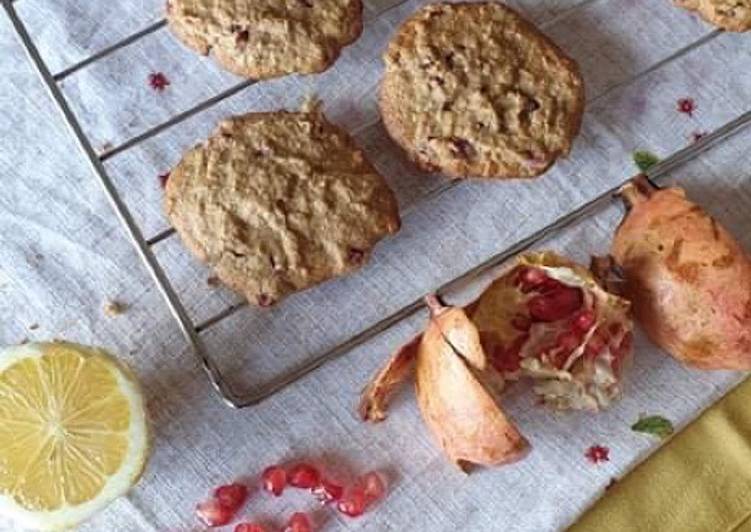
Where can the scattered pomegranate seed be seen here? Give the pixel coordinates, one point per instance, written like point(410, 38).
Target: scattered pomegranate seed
point(158, 81)
point(584, 320)
point(373, 485)
point(687, 106)
point(521, 323)
point(250, 527)
point(231, 496)
point(556, 304)
point(529, 278)
point(304, 476)
point(597, 454)
point(696, 136)
point(274, 480)
point(299, 522)
point(354, 502)
point(327, 491)
point(212, 513)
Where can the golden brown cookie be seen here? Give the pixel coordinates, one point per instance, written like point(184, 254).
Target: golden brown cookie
point(267, 38)
point(732, 15)
point(278, 202)
point(473, 89)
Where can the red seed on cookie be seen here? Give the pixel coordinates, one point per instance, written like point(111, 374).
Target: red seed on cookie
point(274, 479)
point(303, 476)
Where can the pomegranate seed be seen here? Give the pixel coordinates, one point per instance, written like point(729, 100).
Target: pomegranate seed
point(250, 527)
point(231, 496)
point(212, 513)
point(299, 522)
point(594, 346)
point(529, 278)
point(509, 361)
point(568, 341)
point(584, 320)
point(521, 322)
point(327, 491)
point(556, 304)
point(304, 476)
point(549, 285)
point(373, 486)
point(354, 502)
point(274, 480)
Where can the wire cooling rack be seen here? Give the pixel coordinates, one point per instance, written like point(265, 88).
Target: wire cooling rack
point(193, 331)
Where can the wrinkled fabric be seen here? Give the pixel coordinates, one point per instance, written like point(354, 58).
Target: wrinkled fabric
point(63, 255)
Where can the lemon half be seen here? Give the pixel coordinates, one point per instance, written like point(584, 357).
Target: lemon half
point(73, 433)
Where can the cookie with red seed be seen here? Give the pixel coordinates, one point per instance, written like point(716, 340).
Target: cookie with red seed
point(278, 202)
point(474, 90)
point(731, 15)
point(267, 38)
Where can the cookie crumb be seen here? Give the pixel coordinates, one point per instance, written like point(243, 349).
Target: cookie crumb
point(213, 281)
point(114, 308)
point(311, 104)
point(33, 326)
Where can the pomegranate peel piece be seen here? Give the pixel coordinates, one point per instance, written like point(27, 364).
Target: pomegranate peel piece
point(375, 397)
point(457, 391)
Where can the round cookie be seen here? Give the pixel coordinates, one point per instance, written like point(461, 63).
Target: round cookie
point(732, 15)
point(474, 90)
point(262, 39)
point(278, 202)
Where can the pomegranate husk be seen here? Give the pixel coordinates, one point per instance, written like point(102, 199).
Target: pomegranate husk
point(688, 278)
point(457, 391)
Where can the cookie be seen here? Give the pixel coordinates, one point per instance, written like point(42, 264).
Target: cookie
point(473, 89)
point(262, 39)
point(732, 15)
point(278, 202)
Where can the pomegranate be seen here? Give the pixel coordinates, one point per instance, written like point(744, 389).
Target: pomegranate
point(688, 278)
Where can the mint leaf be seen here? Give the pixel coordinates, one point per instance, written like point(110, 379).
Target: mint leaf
point(645, 160)
point(655, 425)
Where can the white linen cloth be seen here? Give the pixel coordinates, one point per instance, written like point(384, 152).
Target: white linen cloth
point(63, 255)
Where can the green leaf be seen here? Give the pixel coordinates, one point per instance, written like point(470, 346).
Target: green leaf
point(655, 425)
point(645, 160)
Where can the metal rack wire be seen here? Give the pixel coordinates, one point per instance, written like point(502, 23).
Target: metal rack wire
point(193, 331)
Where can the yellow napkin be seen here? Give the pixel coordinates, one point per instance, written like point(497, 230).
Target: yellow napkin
point(698, 481)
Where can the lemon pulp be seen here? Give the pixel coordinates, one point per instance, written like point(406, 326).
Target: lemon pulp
point(72, 432)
